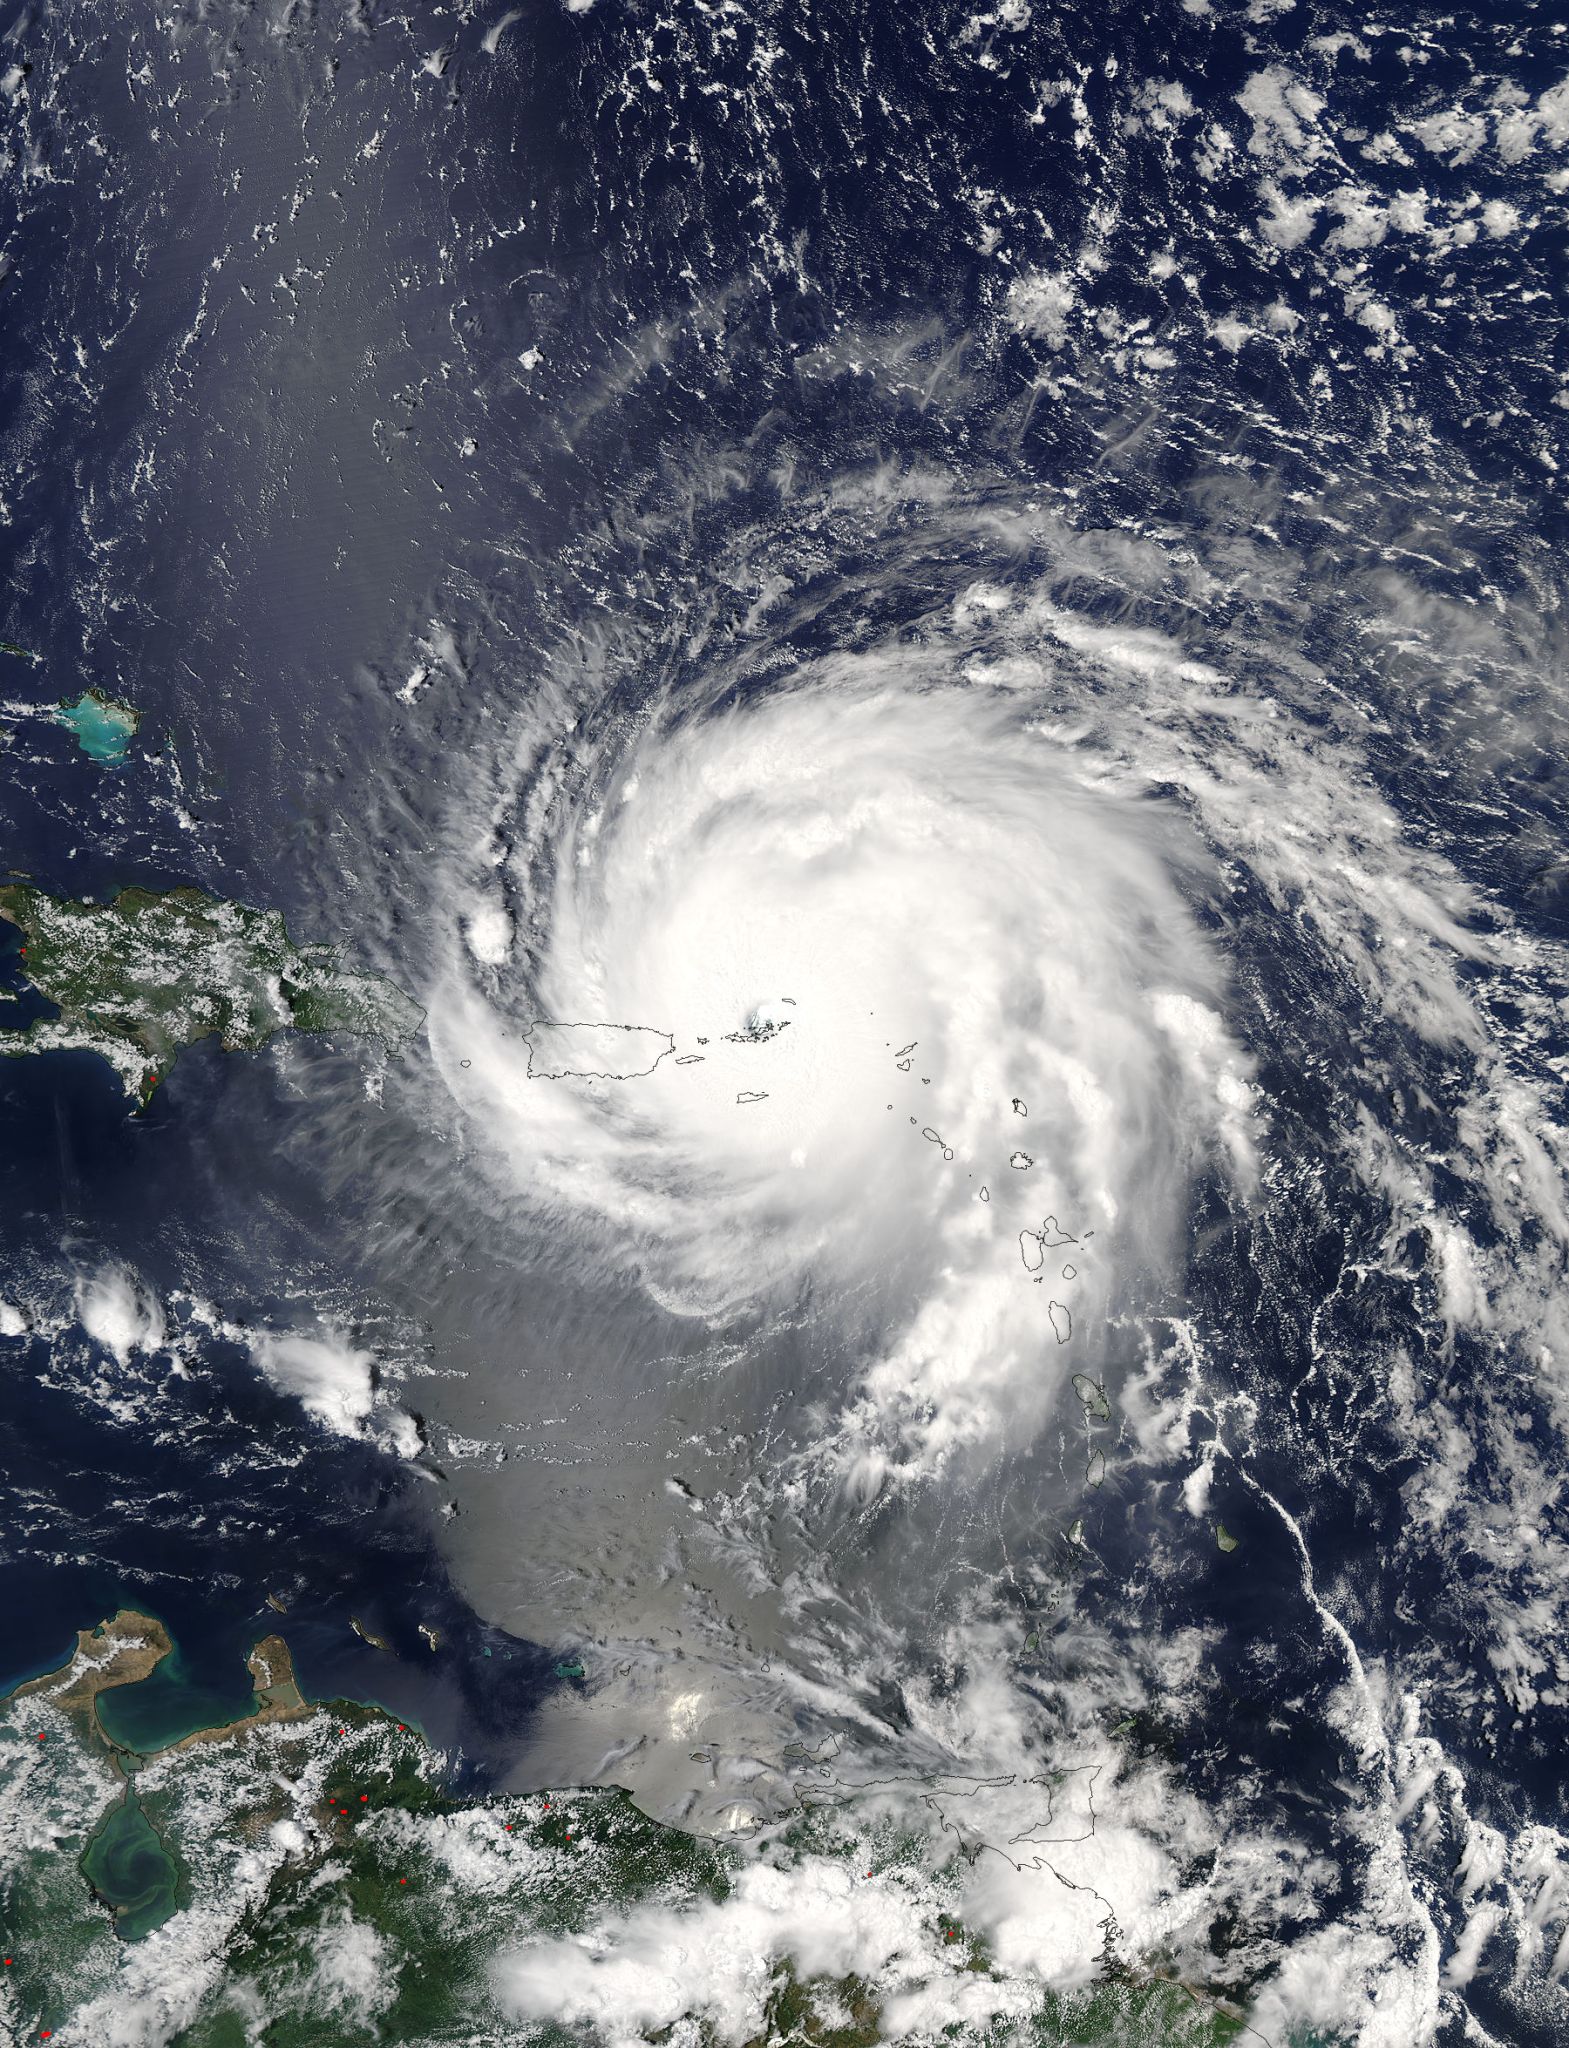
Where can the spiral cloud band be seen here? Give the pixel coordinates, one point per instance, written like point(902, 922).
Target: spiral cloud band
point(857, 986)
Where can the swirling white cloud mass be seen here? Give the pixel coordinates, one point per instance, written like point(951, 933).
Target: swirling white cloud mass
point(907, 1021)
point(909, 981)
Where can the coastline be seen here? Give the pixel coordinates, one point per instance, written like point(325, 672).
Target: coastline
point(128, 1648)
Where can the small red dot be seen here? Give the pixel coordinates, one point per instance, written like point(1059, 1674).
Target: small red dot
point(345, 1812)
point(401, 1729)
point(363, 1797)
point(569, 1838)
point(402, 1880)
point(40, 1735)
point(343, 1731)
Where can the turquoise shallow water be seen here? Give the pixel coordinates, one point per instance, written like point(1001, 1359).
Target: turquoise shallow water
point(173, 1702)
point(103, 728)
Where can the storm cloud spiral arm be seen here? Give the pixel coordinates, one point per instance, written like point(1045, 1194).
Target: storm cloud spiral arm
point(932, 641)
point(988, 931)
point(924, 982)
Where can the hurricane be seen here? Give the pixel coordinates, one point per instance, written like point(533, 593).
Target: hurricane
point(912, 662)
point(789, 924)
point(937, 973)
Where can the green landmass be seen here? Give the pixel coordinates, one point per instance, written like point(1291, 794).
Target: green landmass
point(310, 1879)
point(21, 653)
point(140, 977)
point(104, 726)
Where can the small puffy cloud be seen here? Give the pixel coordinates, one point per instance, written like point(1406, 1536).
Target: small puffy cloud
point(1364, 219)
point(1376, 317)
point(1284, 113)
point(1039, 305)
point(335, 1383)
point(117, 1312)
point(1231, 333)
point(489, 933)
point(351, 1973)
point(1456, 136)
point(1526, 128)
point(1290, 220)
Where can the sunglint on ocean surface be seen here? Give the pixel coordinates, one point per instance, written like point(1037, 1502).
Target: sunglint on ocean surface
point(784, 944)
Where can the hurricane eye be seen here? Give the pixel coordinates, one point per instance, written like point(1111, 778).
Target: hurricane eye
point(996, 929)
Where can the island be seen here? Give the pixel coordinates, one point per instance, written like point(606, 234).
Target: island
point(310, 1876)
point(104, 726)
point(146, 974)
point(594, 1052)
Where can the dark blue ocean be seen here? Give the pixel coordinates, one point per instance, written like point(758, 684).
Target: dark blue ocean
point(411, 411)
point(212, 1494)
